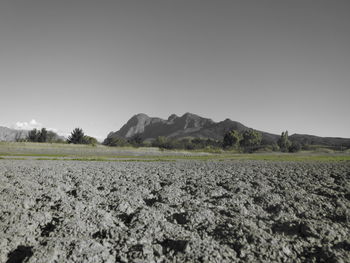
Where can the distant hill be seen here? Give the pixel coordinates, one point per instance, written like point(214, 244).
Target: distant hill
point(324, 141)
point(193, 126)
point(11, 135)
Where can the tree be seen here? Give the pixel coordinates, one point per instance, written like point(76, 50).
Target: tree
point(19, 136)
point(231, 139)
point(77, 137)
point(136, 140)
point(33, 135)
point(52, 137)
point(162, 143)
point(42, 135)
point(283, 142)
point(251, 138)
point(295, 147)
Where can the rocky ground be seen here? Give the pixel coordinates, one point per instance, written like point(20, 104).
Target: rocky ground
point(184, 211)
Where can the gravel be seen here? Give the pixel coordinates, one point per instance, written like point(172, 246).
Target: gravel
point(184, 211)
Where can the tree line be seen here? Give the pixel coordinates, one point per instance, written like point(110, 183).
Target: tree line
point(77, 136)
point(43, 135)
point(248, 140)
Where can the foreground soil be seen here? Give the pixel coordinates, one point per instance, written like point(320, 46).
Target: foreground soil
point(184, 211)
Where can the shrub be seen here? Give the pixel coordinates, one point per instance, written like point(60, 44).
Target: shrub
point(295, 147)
point(115, 141)
point(90, 140)
point(275, 147)
point(163, 143)
point(136, 140)
point(185, 144)
point(52, 137)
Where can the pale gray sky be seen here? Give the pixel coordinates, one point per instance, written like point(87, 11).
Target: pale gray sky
point(272, 65)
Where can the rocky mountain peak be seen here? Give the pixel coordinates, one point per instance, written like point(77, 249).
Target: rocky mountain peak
point(172, 117)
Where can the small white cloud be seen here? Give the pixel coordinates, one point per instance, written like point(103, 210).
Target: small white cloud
point(33, 124)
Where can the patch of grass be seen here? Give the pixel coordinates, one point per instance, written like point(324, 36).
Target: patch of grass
point(47, 151)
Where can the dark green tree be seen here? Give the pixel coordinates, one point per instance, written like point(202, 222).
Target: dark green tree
point(77, 136)
point(163, 143)
point(251, 138)
point(33, 135)
point(294, 147)
point(136, 140)
point(231, 139)
point(283, 142)
point(42, 135)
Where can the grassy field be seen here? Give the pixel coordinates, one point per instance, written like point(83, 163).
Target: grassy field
point(69, 152)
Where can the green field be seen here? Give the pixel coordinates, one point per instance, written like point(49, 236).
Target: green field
point(69, 152)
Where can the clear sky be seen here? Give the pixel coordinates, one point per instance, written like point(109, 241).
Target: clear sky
point(272, 65)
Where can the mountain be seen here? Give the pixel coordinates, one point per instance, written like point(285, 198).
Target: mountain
point(194, 126)
point(188, 125)
point(11, 135)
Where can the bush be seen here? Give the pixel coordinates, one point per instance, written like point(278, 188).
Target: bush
point(136, 140)
point(306, 147)
point(275, 147)
point(115, 141)
point(295, 147)
point(163, 143)
point(53, 137)
point(90, 140)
